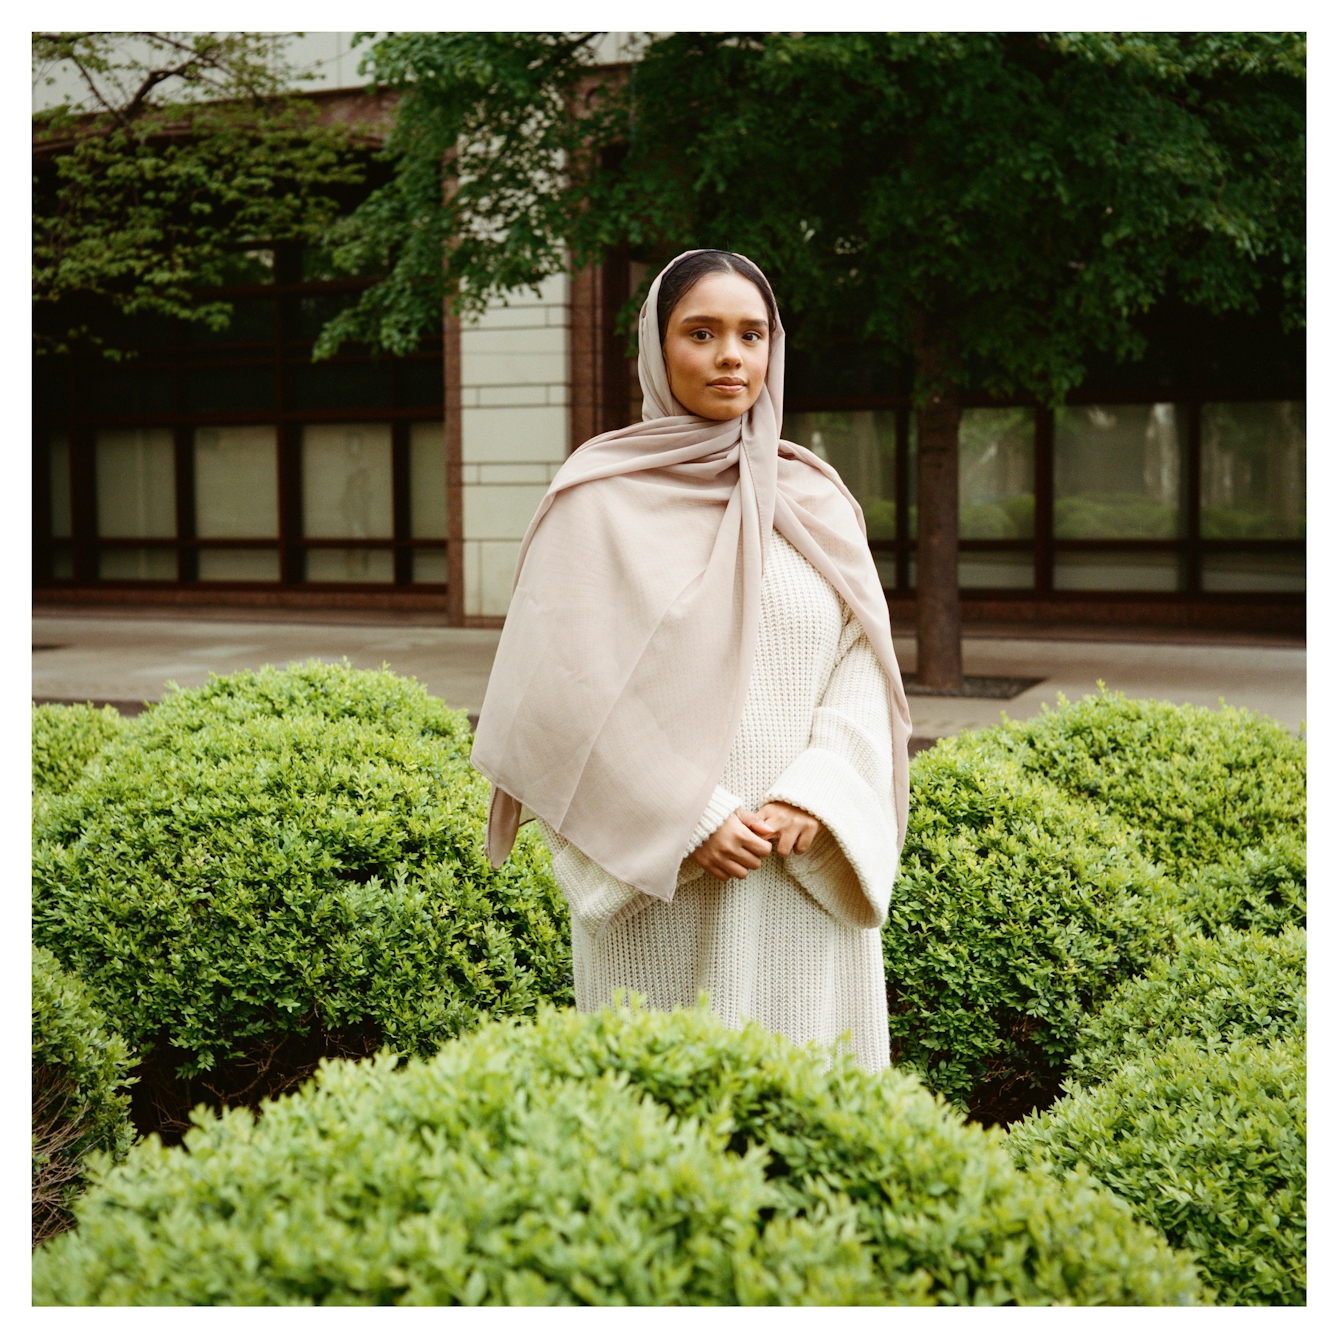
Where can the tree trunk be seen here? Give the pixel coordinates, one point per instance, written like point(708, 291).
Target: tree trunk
point(938, 615)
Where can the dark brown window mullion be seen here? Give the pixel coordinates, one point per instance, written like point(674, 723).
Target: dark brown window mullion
point(42, 540)
point(1193, 560)
point(901, 465)
point(1043, 484)
point(188, 564)
point(399, 484)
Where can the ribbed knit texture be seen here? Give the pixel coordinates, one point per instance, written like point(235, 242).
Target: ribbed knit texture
point(795, 945)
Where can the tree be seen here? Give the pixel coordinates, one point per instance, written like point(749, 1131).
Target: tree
point(183, 149)
point(995, 206)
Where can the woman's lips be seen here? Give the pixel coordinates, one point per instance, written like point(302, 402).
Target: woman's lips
point(728, 387)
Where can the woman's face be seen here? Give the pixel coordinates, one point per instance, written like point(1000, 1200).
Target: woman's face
point(717, 346)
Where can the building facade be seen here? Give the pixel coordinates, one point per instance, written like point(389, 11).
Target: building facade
point(229, 469)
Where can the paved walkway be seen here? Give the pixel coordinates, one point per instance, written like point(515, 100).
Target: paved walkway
point(127, 659)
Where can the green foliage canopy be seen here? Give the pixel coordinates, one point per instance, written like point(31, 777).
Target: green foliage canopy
point(186, 149)
point(995, 203)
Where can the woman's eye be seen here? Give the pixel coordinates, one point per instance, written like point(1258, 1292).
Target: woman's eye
point(701, 336)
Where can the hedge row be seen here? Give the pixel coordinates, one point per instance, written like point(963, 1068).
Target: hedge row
point(627, 1157)
point(287, 864)
point(79, 1076)
point(293, 857)
point(1188, 1100)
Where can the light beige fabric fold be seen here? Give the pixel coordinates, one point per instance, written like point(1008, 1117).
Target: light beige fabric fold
point(622, 670)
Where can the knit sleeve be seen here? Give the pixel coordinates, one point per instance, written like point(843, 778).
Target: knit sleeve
point(844, 778)
point(596, 898)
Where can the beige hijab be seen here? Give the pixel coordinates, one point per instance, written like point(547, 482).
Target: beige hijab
point(621, 673)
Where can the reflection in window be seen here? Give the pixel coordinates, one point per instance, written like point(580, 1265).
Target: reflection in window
point(427, 481)
point(1118, 473)
point(1118, 571)
point(429, 566)
point(995, 471)
point(346, 484)
point(1253, 473)
point(137, 564)
point(136, 483)
point(237, 483)
point(995, 490)
point(238, 564)
point(989, 571)
point(350, 564)
point(861, 446)
point(1278, 573)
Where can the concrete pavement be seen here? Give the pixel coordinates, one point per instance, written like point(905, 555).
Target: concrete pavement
point(129, 658)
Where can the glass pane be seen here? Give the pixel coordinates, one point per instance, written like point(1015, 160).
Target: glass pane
point(346, 483)
point(995, 571)
point(61, 524)
point(427, 481)
point(238, 564)
point(136, 481)
point(887, 569)
point(1118, 472)
point(1253, 471)
point(237, 482)
point(860, 445)
point(62, 563)
point(995, 489)
point(420, 381)
point(1279, 572)
point(350, 564)
point(429, 567)
point(130, 392)
point(989, 571)
point(229, 389)
point(337, 385)
point(137, 564)
point(1117, 571)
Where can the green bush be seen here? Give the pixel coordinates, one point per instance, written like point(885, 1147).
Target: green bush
point(1215, 990)
point(79, 1073)
point(1196, 787)
point(1262, 888)
point(288, 854)
point(65, 741)
point(653, 1158)
point(1017, 909)
point(1208, 1147)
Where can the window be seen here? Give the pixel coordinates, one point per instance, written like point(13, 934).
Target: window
point(136, 499)
point(237, 497)
point(1118, 472)
point(861, 446)
point(427, 499)
point(347, 493)
point(1253, 471)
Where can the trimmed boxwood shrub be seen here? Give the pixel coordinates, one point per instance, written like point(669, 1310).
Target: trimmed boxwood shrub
point(1215, 990)
point(1208, 1147)
point(1262, 888)
point(653, 1158)
point(1195, 786)
point(1018, 908)
point(79, 1077)
point(65, 740)
point(285, 864)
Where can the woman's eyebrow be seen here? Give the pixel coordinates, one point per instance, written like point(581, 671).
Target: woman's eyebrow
point(759, 322)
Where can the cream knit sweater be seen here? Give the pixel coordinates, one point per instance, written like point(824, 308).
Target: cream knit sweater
point(795, 945)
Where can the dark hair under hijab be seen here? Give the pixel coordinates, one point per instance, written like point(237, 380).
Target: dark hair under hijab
point(697, 266)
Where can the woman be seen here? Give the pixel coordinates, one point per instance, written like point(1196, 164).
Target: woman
point(696, 693)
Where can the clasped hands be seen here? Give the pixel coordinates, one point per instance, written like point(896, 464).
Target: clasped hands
point(744, 839)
